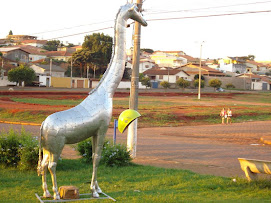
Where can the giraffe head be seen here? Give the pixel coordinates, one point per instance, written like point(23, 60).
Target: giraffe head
point(131, 11)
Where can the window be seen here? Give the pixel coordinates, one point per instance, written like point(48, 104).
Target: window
point(160, 77)
point(146, 66)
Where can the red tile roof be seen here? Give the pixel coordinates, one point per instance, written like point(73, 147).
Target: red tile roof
point(58, 53)
point(34, 41)
point(155, 71)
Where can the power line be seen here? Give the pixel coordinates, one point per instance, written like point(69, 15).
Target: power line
point(81, 33)
point(176, 18)
point(207, 16)
point(187, 10)
point(66, 28)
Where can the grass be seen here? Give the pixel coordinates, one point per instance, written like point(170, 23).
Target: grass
point(135, 184)
point(51, 102)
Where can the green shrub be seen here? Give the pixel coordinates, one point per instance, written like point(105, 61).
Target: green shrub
point(165, 84)
point(111, 156)
point(85, 149)
point(116, 155)
point(9, 145)
point(18, 149)
point(230, 86)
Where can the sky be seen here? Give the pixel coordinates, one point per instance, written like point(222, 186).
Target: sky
point(218, 36)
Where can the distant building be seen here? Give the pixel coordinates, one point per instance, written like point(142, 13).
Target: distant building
point(20, 38)
point(59, 55)
point(233, 64)
point(44, 70)
point(165, 59)
point(166, 74)
point(34, 42)
point(15, 54)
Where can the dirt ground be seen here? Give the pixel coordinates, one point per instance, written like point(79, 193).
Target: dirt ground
point(204, 149)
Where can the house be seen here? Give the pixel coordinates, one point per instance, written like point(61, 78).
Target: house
point(70, 49)
point(4, 42)
point(20, 38)
point(256, 67)
point(15, 54)
point(34, 42)
point(257, 82)
point(164, 59)
point(233, 64)
point(166, 74)
point(59, 55)
point(35, 53)
point(45, 69)
point(144, 64)
point(193, 69)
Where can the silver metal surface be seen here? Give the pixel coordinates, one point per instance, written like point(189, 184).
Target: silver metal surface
point(92, 116)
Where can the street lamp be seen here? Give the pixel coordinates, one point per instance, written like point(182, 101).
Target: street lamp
point(200, 69)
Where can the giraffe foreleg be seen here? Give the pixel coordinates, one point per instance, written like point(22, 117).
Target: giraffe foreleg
point(98, 142)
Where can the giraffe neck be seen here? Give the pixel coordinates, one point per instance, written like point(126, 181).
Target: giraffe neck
point(114, 72)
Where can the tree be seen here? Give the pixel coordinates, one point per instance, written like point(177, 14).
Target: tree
point(146, 81)
point(100, 46)
point(52, 45)
point(165, 84)
point(215, 83)
point(182, 83)
point(197, 77)
point(80, 59)
point(147, 50)
point(22, 74)
point(196, 83)
point(10, 32)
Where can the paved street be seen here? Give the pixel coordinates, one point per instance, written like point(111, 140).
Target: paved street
point(205, 149)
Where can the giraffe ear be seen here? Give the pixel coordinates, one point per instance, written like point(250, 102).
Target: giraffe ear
point(132, 8)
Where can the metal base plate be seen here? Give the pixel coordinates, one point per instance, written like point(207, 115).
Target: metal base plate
point(42, 199)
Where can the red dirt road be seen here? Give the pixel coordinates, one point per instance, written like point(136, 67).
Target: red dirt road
point(204, 149)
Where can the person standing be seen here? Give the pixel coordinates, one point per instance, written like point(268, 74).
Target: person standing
point(223, 114)
point(229, 115)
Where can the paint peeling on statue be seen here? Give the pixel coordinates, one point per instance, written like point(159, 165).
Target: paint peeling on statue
point(92, 116)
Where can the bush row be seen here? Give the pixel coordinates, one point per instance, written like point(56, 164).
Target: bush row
point(20, 149)
point(112, 155)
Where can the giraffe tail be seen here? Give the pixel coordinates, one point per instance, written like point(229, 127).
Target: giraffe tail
point(39, 168)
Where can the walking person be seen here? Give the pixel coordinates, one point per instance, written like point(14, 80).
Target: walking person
point(229, 115)
point(223, 115)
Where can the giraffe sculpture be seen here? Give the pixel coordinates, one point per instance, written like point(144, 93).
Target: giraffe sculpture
point(92, 116)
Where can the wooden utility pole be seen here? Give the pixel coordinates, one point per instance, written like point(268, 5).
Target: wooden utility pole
point(133, 103)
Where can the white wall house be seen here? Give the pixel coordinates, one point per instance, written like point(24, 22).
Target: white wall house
point(231, 65)
point(41, 69)
point(166, 74)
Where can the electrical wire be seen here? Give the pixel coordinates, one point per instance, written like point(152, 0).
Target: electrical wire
point(80, 33)
point(197, 9)
point(206, 16)
point(71, 27)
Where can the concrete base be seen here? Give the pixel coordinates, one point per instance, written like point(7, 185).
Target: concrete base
point(68, 192)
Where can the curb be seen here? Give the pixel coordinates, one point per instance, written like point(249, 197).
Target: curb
point(20, 123)
point(266, 140)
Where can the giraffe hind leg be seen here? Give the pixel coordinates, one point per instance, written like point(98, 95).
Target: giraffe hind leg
point(44, 166)
point(52, 168)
